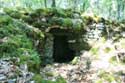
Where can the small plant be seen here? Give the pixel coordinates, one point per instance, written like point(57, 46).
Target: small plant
point(5, 19)
point(37, 78)
point(107, 77)
point(113, 60)
point(60, 80)
point(61, 13)
point(33, 61)
point(107, 50)
point(94, 51)
point(67, 22)
point(75, 60)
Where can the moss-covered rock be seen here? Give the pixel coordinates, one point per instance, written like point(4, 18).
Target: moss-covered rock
point(42, 21)
point(17, 40)
point(44, 18)
point(18, 13)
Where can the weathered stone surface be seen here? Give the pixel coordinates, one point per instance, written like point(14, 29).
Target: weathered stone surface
point(11, 73)
point(48, 49)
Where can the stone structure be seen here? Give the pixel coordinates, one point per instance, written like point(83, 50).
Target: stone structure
point(69, 28)
point(48, 49)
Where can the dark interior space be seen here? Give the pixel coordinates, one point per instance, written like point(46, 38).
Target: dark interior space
point(62, 52)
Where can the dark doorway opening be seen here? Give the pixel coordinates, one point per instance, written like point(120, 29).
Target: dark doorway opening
point(62, 52)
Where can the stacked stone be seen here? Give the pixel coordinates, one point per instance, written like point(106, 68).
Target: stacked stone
point(11, 73)
point(48, 49)
point(94, 32)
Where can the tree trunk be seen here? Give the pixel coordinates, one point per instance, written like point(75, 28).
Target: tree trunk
point(74, 5)
point(120, 9)
point(53, 3)
point(45, 3)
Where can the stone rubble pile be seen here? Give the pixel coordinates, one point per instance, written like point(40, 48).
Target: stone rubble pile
point(11, 73)
point(94, 32)
point(78, 73)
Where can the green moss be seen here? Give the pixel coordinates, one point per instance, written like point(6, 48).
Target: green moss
point(61, 13)
point(77, 26)
point(9, 30)
point(60, 80)
point(56, 21)
point(69, 13)
point(75, 60)
point(4, 20)
point(12, 45)
point(32, 59)
point(15, 42)
point(107, 50)
point(99, 81)
point(34, 64)
point(28, 19)
point(64, 22)
point(49, 74)
point(94, 50)
point(8, 10)
point(116, 61)
point(113, 59)
point(17, 13)
point(67, 22)
point(107, 76)
point(54, 16)
point(38, 78)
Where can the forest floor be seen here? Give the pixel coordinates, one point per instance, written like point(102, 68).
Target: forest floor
point(90, 68)
point(103, 63)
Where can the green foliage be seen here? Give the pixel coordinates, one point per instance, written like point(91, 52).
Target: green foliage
point(56, 21)
point(67, 22)
point(34, 64)
point(4, 20)
point(64, 22)
point(9, 30)
point(99, 81)
point(17, 13)
point(60, 80)
point(113, 60)
point(15, 42)
point(86, 4)
point(61, 13)
point(107, 77)
point(13, 13)
point(38, 79)
point(94, 50)
point(117, 60)
point(75, 60)
point(107, 49)
point(49, 17)
point(33, 61)
point(114, 9)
